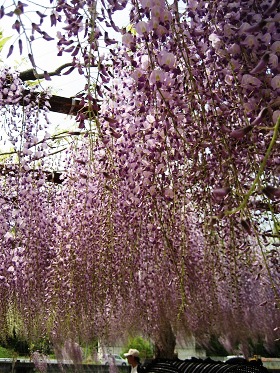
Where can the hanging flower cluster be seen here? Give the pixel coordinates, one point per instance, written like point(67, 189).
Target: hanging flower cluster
point(184, 116)
point(169, 212)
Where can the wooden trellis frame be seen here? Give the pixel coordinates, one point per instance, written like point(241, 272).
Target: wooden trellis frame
point(58, 104)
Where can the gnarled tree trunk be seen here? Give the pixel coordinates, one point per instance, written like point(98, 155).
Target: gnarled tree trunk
point(166, 342)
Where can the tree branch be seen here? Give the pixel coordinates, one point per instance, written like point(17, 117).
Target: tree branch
point(31, 74)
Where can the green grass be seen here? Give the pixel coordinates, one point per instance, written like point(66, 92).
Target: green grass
point(5, 353)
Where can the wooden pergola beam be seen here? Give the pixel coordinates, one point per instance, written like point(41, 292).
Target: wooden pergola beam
point(51, 176)
point(60, 104)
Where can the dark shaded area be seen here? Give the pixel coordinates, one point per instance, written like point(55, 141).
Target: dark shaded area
point(21, 346)
point(16, 343)
point(237, 360)
point(214, 347)
point(258, 348)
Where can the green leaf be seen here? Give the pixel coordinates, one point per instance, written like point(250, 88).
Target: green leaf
point(131, 29)
point(3, 41)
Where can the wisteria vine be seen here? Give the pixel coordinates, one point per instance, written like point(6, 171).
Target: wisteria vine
point(168, 207)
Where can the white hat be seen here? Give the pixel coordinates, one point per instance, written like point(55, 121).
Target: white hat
point(132, 352)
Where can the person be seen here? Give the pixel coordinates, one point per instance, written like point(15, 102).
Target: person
point(133, 359)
